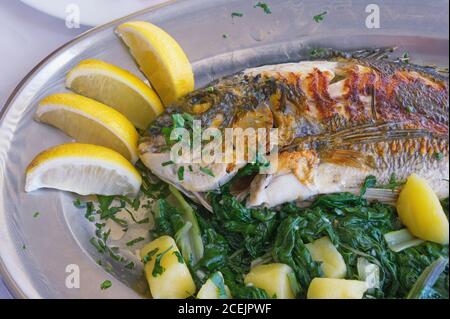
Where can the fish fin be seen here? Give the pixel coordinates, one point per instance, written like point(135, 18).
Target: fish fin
point(371, 133)
point(345, 158)
point(363, 134)
point(367, 53)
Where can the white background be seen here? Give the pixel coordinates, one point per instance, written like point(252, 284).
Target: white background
point(27, 36)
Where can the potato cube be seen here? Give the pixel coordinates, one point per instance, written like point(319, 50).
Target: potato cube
point(421, 212)
point(170, 278)
point(273, 278)
point(323, 250)
point(212, 289)
point(331, 288)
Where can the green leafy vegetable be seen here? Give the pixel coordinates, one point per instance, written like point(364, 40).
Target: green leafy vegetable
point(235, 237)
point(167, 163)
point(393, 183)
point(370, 273)
point(237, 14)
point(405, 58)
point(179, 221)
point(290, 249)
point(135, 241)
point(78, 204)
point(369, 182)
point(105, 285)
point(131, 265)
point(401, 239)
point(320, 17)
point(410, 109)
point(263, 6)
point(295, 287)
point(439, 156)
point(207, 171)
point(217, 280)
point(181, 173)
point(149, 255)
point(428, 279)
point(190, 243)
point(179, 257)
point(157, 268)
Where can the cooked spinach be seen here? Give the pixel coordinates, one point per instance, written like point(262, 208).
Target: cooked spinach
point(179, 221)
point(234, 236)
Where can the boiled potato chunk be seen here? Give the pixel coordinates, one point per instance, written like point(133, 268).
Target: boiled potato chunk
point(273, 278)
point(211, 288)
point(173, 281)
point(331, 288)
point(323, 250)
point(421, 212)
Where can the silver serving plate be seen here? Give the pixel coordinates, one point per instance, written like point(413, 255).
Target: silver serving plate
point(60, 235)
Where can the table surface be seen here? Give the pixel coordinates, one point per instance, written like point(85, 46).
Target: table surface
point(28, 36)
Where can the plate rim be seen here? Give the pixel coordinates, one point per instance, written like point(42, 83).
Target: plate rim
point(9, 280)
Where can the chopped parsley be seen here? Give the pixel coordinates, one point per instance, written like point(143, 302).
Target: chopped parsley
point(207, 171)
point(181, 173)
point(36, 214)
point(136, 204)
point(190, 168)
point(318, 53)
point(143, 221)
point(24, 247)
point(106, 284)
point(149, 255)
point(167, 163)
point(179, 121)
point(405, 58)
point(179, 257)
point(439, 156)
point(78, 204)
point(96, 243)
point(130, 265)
point(410, 109)
point(89, 212)
point(157, 268)
point(263, 6)
point(393, 183)
point(225, 36)
point(237, 14)
point(211, 89)
point(320, 17)
point(135, 241)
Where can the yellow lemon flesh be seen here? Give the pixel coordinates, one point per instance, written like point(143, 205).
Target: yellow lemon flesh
point(160, 58)
point(116, 88)
point(89, 121)
point(84, 169)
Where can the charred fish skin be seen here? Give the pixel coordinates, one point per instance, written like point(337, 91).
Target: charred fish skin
point(316, 97)
point(349, 107)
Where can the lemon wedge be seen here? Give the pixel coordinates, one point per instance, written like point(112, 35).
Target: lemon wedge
point(160, 58)
point(89, 121)
point(84, 169)
point(116, 88)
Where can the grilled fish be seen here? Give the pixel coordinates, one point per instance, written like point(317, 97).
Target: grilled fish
point(338, 121)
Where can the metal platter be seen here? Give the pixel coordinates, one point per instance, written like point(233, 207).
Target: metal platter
point(35, 252)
